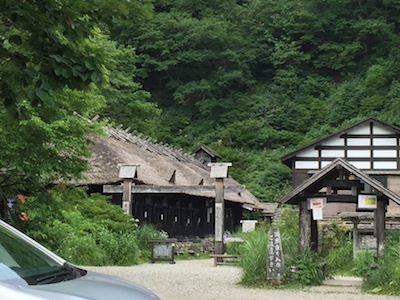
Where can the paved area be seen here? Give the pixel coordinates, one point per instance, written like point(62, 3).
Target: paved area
point(200, 280)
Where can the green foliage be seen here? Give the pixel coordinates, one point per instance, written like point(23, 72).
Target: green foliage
point(84, 230)
point(384, 279)
point(288, 226)
point(310, 269)
point(253, 259)
point(144, 233)
point(334, 235)
point(364, 262)
point(56, 61)
point(224, 76)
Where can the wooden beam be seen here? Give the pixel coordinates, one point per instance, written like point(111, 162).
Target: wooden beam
point(150, 189)
point(342, 183)
point(335, 198)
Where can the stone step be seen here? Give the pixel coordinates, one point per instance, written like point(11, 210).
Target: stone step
point(343, 281)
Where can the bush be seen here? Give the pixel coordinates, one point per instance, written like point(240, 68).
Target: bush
point(309, 269)
point(145, 233)
point(385, 278)
point(85, 230)
point(253, 258)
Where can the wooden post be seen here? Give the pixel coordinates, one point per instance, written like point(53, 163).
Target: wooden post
point(314, 235)
point(355, 238)
point(219, 171)
point(219, 215)
point(127, 173)
point(380, 216)
point(127, 196)
point(304, 226)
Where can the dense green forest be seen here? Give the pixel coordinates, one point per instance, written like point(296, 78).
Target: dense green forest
point(257, 79)
point(252, 79)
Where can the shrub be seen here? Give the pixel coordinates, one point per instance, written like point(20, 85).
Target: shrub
point(309, 269)
point(253, 259)
point(86, 230)
point(145, 233)
point(385, 278)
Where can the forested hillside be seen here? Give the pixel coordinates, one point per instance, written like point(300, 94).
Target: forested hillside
point(252, 79)
point(256, 79)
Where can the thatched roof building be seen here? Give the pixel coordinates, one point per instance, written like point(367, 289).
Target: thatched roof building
point(169, 184)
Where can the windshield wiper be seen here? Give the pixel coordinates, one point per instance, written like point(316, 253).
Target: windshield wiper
point(67, 271)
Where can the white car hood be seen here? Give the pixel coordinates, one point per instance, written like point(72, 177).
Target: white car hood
point(96, 286)
point(13, 292)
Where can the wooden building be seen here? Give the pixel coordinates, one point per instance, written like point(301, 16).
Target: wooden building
point(343, 169)
point(205, 154)
point(170, 189)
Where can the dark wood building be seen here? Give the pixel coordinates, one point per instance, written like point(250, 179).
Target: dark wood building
point(205, 154)
point(170, 189)
point(341, 171)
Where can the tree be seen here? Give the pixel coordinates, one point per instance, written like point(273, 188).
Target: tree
point(54, 63)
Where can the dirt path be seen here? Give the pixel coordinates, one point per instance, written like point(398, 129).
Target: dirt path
point(200, 280)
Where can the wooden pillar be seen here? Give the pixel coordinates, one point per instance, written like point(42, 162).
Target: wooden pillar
point(127, 172)
point(219, 215)
point(356, 238)
point(219, 171)
point(314, 235)
point(380, 218)
point(127, 196)
point(304, 226)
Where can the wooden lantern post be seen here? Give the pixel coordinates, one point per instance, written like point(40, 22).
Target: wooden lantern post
point(127, 172)
point(219, 171)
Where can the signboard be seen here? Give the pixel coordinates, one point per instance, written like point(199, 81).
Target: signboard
point(219, 170)
point(274, 256)
point(163, 250)
point(367, 201)
point(127, 171)
point(248, 225)
point(316, 203)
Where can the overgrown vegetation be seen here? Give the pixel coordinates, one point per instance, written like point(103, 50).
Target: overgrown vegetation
point(335, 257)
point(86, 230)
point(384, 279)
point(253, 259)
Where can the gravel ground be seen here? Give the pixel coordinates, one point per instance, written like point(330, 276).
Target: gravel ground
point(200, 280)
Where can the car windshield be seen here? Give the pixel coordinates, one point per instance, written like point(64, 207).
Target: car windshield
point(21, 262)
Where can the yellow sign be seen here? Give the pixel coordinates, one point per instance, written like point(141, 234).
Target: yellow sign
point(367, 201)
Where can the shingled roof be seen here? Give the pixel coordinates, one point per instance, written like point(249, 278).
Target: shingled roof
point(159, 165)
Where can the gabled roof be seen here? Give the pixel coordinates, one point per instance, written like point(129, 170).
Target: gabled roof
point(207, 150)
point(287, 159)
point(337, 163)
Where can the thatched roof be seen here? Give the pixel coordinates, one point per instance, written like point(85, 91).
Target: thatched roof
point(159, 165)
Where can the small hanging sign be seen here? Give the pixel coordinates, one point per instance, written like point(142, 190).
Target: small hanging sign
point(316, 203)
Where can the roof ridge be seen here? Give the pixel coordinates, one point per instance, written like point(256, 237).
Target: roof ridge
point(150, 144)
